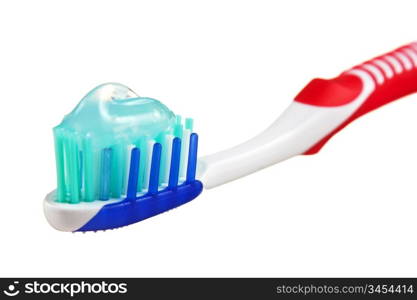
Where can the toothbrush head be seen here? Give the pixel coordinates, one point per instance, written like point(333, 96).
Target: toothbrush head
point(120, 159)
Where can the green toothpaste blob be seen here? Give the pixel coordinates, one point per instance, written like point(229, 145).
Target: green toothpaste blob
point(94, 141)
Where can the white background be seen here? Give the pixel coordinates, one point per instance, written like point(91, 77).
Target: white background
point(233, 66)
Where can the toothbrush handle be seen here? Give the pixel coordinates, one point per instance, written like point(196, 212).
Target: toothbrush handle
point(394, 76)
point(320, 110)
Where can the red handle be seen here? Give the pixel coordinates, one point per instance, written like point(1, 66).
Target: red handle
point(394, 75)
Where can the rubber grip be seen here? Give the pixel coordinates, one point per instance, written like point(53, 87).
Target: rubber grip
point(394, 75)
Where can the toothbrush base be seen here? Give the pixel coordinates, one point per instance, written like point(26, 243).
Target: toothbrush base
point(102, 215)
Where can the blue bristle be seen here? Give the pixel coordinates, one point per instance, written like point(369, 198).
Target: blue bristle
point(136, 207)
point(143, 162)
point(192, 157)
point(155, 166)
point(175, 163)
point(161, 139)
point(105, 172)
point(133, 174)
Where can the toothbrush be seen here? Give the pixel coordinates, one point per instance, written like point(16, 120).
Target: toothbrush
point(122, 158)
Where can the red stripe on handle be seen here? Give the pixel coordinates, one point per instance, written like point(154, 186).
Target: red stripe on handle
point(344, 89)
point(331, 92)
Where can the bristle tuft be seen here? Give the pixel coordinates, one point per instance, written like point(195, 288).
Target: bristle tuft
point(86, 173)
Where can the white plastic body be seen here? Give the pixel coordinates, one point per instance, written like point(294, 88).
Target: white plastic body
point(70, 217)
point(299, 128)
